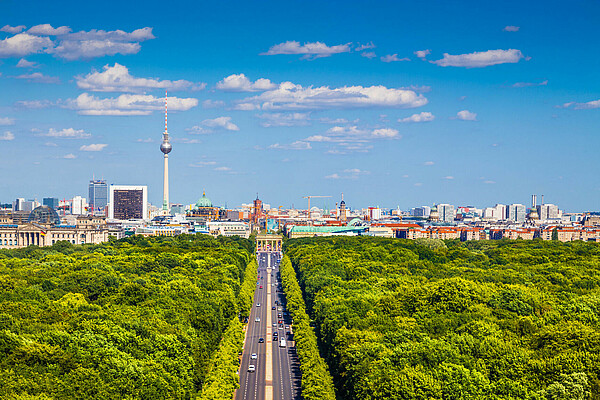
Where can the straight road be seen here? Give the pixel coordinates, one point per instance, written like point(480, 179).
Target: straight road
point(277, 369)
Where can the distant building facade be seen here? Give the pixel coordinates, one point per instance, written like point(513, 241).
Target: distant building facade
point(128, 202)
point(98, 196)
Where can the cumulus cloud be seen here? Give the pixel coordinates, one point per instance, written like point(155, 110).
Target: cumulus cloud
point(24, 44)
point(34, 104)
point(221, 123)
point(93, 147)
point(7, 121)
point(428, 163)
point(127, 104)
point(23, 63)
point(511, 28)
point(392, 58)
point(466, 115)
point(529, 84)
point(361, 47)
point(48, 30)
point(309, 50)
point(12, 29)
point(289, 96)
point(67, 133)
point(284, 119)
point(352, 173)
point(118, 79)
point(240, 83)
point(422, 54)
point(346, 139)
point(582, 106)
point(368, 54)
point(449, 177)
point(99, 43)
point(480, 59)
point(421, 117)
point(7, 135)
point(224, 169)
point(39, 78)
point(297, 145)
point(69, 156)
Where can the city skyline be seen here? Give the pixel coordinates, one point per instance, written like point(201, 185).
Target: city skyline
point(410, 112)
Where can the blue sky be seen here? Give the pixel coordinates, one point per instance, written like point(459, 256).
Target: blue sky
point(393, 103)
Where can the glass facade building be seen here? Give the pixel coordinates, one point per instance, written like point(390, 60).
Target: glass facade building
point(51, 202)
point(98, 196)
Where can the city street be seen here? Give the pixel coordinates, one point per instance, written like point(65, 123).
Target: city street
point(277, 369)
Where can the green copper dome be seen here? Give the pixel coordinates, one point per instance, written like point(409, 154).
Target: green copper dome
point(203, 202)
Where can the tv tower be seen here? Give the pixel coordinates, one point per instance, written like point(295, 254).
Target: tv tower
point(166, 148)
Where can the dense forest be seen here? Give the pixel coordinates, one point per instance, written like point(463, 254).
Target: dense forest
point(427, 319)
point(138, 318)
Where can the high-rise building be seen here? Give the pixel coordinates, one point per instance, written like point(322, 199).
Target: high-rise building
point(166, 148)
point(78, 205)
point(51, 202)
point(516, 212)
point(25, 205)
point(128, 202)
point(422, 211)
point(548, 211)
point(18, 204)
point(446, 212)
point(98, 196)
point(257, 210)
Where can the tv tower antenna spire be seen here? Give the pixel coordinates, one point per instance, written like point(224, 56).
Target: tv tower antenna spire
point(166, 148)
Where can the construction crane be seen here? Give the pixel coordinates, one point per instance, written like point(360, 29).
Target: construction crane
point(310, 197)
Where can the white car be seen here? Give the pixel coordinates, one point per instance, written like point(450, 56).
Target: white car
point(257, 304)
point(253, 356)
point(251, 368)
point(256, 319)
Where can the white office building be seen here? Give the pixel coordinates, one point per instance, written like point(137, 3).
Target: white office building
point(516, 212)
point(446, 212)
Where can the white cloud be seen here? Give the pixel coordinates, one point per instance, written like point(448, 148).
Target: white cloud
point(8, 135)
point(346, 139)
point(449, 177)
point(368, 54)
point(367, 46)
point(480, 59)
point(422, 54)
point(223, 169)
point(582, 106)
point(289, 96)
point(70, 156)
point(24, 44)
point(418, 184)
point(392, 58)
point(428, 163)
point(50, 144)
point(284, 119)
point(7, 121)
point(385, 133)
point(310, 50)
point(23, 63)
point(201, 164)
point(34, 104)
point(351, 173)
point(48, 30)
point(99, 43)
point(127, 104)
point(147, 140)
point(213, 103)
point(422, 117)
point(67, 133)
point(466, 115)
point(12, 29)
point(511, 28)
point(118, 79)
point(240, 83)
point(221, 123)
point(489, 182)
point(326, 120)
point(39, 78)
point(529, 84)
point(93, 147)
point(297, 145)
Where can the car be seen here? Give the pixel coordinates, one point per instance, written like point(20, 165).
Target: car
point(257, 319)
point(279, 315)
point(287, 327)
point(274, 338)
point(275, 333)
point(257, 304)
point(251, 368)
point(274, 325)
point(260, 287)
point(253, 356)
point(280, 327)
point(261, 340)
point(272, 308)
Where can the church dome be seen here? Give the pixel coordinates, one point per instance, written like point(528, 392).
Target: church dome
point(203, 202)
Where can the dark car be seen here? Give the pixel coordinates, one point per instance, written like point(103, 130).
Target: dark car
point(274, 338)
point(261, 340)
point(272, 308)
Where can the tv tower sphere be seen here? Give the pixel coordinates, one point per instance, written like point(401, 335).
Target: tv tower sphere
point(166, 147)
